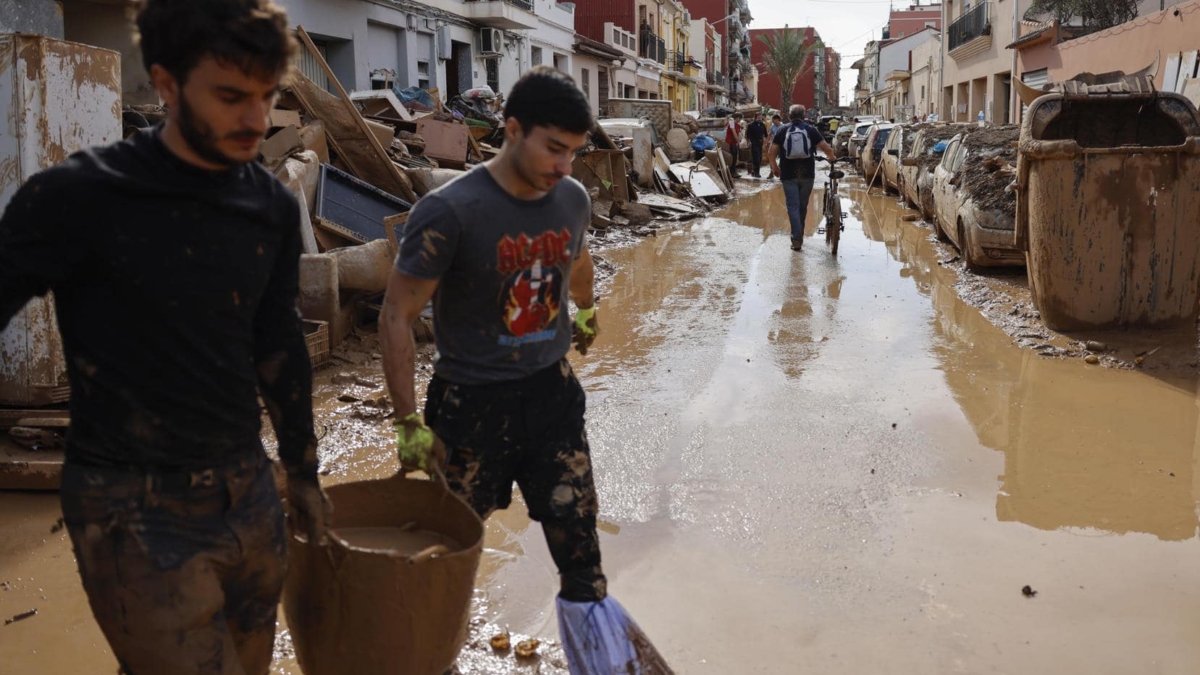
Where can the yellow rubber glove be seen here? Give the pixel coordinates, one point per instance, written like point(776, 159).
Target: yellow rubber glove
point(583, 331)
point(417, 445)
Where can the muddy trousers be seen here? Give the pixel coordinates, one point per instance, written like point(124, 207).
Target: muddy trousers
point(531, 432)
point(796, 193)
point(183, 570)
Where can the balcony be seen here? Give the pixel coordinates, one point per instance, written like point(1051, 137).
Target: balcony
point(971, 33)
point(502, 14)
point(652, 47)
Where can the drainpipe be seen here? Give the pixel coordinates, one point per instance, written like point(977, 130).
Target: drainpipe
point(942, 69)
point(1013, 108)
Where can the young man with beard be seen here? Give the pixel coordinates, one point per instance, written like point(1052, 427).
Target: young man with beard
point(173, 258)
point(500, 250)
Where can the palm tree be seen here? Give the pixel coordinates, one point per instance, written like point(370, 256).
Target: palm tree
point(786, 59)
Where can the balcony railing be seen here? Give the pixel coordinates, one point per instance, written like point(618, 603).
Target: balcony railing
point(716, 79)
point(526, 5)
point(650, 46)
point(969, 26)
point(678, 61)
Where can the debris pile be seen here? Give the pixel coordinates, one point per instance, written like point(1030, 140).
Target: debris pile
point(990, 177)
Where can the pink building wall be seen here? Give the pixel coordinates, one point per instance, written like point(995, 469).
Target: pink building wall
point(1127, 47)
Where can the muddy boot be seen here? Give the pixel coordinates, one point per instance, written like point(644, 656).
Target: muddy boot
point(797, 244)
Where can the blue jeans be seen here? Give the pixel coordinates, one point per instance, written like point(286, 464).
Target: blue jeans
point(796, 192)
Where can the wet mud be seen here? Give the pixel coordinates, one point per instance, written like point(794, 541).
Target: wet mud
point(855, 464)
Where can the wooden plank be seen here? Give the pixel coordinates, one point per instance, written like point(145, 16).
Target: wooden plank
point(9, 417)
point(343, 232)
point(1171, 74)
point(1187, 69)
point(1191, 89)
point(371, 159)
point(394, 225)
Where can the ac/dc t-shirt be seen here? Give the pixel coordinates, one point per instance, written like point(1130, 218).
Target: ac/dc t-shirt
point(503, 264)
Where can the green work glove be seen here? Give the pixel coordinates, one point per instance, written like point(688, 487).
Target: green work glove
point(583, 331)
point(417, 445)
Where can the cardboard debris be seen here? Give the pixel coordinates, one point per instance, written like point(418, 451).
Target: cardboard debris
point(313, 138)
point(284, 118)
point(278, 146)
point(383, 133)
point(702, 184)
point(444, 141)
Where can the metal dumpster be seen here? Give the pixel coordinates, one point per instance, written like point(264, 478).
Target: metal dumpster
point(1108, 210)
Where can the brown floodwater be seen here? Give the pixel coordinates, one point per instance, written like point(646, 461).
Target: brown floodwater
point(804, 465)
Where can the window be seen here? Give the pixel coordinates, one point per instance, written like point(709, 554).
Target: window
point(535, 56)
point(493, 73)
point(423, 74)
point(931, 24)
point(948, 155)
point(617, 35)
point(585, 79)
point(922, 92)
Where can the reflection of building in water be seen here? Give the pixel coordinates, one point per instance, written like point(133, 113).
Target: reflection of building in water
point(1114, 453)
point(1084, 447)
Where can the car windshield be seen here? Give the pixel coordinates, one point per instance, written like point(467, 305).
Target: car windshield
point(863, 129)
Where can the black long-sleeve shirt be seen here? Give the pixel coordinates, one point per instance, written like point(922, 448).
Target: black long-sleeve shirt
point(175, 290)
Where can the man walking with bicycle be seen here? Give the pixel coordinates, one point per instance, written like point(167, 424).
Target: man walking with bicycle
point(798, 169)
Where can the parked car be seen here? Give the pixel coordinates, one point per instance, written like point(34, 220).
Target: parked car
point(858, 138)
point(893, 151)
point(841, 142)
point(871, 156)
point(917, 168)
point(971, 205)
point(859, 119)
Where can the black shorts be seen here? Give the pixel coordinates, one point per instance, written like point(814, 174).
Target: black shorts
point(530, 432)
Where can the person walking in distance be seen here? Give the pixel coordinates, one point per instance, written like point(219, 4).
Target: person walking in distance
point(501, 250)
point(174, 261)
point(733, 139)
point(797, 171)
point(756, 134)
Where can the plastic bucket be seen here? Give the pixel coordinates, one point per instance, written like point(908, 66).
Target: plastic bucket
point(371, 612)
point(1107, 209)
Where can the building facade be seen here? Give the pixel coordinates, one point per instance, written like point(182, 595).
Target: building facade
point(731, 19)
point(817, 84)
point(918, 17)
point(976, 65)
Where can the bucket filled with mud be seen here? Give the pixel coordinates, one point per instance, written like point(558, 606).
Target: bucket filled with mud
point(391, 592)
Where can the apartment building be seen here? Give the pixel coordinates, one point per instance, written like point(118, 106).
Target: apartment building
point(976, 64)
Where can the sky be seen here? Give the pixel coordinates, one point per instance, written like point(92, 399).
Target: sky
point(845, 25)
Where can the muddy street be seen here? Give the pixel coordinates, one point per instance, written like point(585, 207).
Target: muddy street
point(804, 465)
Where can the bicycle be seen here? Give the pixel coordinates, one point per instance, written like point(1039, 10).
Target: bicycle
point(833, 206)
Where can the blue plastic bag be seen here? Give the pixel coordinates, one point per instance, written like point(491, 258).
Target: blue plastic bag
point(940, 147)
point(600, 638)
point(703, 142)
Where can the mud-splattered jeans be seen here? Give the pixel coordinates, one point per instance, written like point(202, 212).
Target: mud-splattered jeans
point(183, 570)
point(796, 193)
point(529, 431)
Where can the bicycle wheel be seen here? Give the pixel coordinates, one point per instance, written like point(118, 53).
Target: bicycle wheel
point(827, 211)
point(833, 231)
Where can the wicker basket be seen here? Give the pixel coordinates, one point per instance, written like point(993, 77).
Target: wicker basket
point(316, 336)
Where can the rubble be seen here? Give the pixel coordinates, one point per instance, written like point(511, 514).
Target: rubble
point(987, 178)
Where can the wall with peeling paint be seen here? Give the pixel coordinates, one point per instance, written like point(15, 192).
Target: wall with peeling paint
point(38, 17)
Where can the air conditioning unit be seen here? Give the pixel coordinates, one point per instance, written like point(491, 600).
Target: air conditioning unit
point(490, 41)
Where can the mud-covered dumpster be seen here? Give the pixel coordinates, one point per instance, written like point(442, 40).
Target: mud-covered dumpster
point(1108, 210)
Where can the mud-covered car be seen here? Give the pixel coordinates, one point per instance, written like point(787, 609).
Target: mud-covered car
point(894, 150)
point(975, 201)
point(916, 169)
point(858, 138)
point(841, 142)
point(872, 152)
